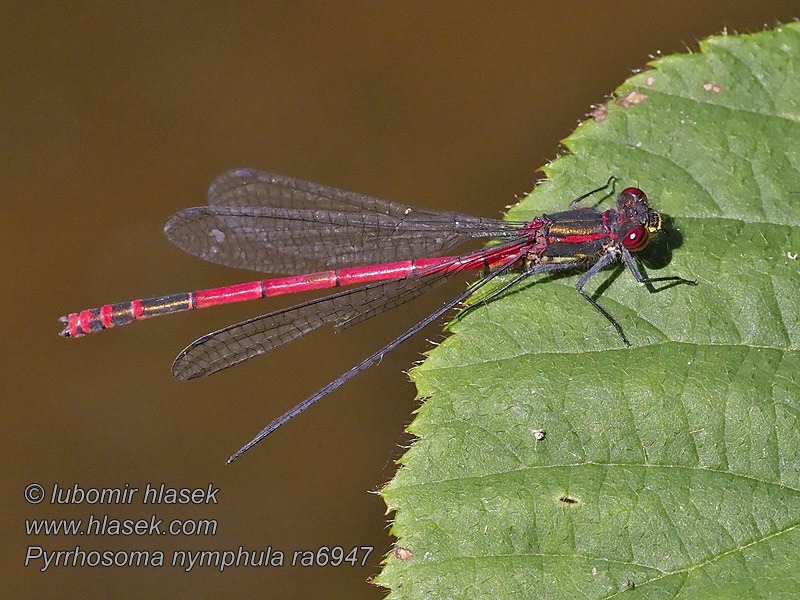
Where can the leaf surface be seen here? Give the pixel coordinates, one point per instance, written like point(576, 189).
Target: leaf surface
point(670, 469)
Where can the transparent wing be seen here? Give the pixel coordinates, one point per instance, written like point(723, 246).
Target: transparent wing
point(273, 223)
point(250, 187)
point(242, 341)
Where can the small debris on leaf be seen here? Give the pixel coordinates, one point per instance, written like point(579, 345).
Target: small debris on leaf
point(628, 99)
point(401, 553)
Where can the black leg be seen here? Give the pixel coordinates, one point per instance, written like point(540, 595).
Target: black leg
point(596, 268)
point(574, 203)
point(531, 270)
point(631, 264)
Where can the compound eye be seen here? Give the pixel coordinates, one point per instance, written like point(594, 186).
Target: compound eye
point(637, 194)
point(635, 239)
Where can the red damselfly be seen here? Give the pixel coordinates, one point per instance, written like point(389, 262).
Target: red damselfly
point(266, 222)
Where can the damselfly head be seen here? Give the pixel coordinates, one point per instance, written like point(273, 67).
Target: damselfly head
point(637, 220)
point(632, 202)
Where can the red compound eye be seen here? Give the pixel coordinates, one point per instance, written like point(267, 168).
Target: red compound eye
point(637, 194)
point(635, 239)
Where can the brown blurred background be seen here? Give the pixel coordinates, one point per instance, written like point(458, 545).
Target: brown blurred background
point(113, 116)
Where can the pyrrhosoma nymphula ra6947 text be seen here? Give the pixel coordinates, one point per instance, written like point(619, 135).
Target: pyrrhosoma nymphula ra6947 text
point(271, 223)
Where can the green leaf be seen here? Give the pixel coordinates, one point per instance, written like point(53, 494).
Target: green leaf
point(667, 469)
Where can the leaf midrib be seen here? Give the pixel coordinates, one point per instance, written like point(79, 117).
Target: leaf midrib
point(423, 368)
point(610, 465)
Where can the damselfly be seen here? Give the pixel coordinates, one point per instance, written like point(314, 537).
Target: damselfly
point(265, 222)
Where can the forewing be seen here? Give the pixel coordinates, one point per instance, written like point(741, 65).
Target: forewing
point(271, 223)
point(294, 241)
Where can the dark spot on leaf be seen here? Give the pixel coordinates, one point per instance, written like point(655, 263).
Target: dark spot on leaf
point(401, 553)
point(567, 500)
point(628, 99)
